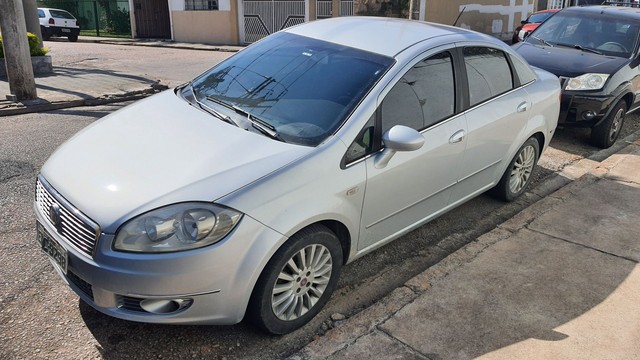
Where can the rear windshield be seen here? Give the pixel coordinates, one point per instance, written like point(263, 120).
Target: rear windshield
point(606, 34)
point(304, 88)
point(61, 14)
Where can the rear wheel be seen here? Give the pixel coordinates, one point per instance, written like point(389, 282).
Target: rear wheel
point(607, 132)
point(517, 177)
point(73, 38)
point(45, 34)
point(297, 282)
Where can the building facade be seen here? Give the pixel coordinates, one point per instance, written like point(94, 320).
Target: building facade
point(239, 22)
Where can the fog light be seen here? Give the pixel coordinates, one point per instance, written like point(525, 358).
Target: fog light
point(588, 115)
point(164, 306)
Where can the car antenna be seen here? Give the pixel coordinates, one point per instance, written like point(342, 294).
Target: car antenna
point(458, 18)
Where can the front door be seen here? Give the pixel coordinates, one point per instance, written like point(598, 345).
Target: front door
point(152, 19)
point(415, 186)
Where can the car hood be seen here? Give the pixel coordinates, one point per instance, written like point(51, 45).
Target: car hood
point(563, 61)
point(156, 152)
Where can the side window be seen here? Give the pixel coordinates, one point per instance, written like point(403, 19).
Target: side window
point(363, 144)
point(41, 13)
point(488, 73)
point(525, 74)
point(423, 96)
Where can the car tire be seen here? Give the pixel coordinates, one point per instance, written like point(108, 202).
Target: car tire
point(607, 132)
point(303, 272)
point(518, 174)
point(45, 34)
point(73, 38)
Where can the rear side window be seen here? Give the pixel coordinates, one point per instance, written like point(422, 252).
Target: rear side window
point(524, 72)
point(488, 73)
point(61, 14)
point(41, 13)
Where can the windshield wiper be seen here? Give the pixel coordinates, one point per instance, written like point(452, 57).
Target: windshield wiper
point(260, 125)
point(216, 113)
point(581, 48)
point(541, 40)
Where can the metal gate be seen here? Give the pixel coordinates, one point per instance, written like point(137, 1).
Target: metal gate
point(264, 17)
point(324, 8)
point(152, 19)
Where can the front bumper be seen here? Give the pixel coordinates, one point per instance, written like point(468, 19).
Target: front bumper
point(210, 285)
point(583, 110)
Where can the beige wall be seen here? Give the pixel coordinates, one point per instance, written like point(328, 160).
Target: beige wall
point(493, 17)
point(208, 27)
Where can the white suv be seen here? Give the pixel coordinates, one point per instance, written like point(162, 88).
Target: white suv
point(56, 22)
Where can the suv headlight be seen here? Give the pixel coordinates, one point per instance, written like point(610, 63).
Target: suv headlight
point(176, 228)
point(587, 82)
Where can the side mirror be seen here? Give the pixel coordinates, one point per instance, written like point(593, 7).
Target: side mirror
point(526, 34)
point(398, 138)
point(523, 22)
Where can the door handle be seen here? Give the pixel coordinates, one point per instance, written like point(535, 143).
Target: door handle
point(457, 137)
point(523, 107)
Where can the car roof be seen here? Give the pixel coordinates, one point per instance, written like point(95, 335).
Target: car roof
point(621, 11)
point(386, 36)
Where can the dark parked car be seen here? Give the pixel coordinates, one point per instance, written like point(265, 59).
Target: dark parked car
point(594, 52)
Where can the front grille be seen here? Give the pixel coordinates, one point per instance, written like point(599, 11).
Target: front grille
point(129, 303)
point(72, 225)
point(84, 286)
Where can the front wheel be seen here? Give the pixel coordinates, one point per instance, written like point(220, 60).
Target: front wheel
point(297, 282)
point(607, 132)
point(517, 177)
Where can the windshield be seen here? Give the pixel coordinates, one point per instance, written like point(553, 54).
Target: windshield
point(539, 17)
point(302, 88)
point(608, 35)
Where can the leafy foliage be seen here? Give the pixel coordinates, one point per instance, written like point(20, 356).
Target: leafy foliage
point(34, 46)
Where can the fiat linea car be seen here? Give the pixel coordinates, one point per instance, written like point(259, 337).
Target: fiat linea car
point(243, 192)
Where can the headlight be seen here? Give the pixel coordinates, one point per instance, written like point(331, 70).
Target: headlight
point(587, 82)
point(176, 228)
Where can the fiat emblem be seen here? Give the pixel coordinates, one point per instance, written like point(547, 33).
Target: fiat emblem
point(55, 215)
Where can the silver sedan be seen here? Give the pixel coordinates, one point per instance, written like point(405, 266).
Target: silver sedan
point(244, 191)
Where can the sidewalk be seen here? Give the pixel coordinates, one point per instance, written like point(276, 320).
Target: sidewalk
point(560, 280)
point(70, 87)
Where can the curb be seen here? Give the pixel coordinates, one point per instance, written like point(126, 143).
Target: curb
point(553, 191)
point(163, 44)
point(103, 100)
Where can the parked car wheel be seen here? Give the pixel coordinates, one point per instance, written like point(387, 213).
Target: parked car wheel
point(517, 177)
point(298, 281)
point(73, 38)
point(606, 133)
point(45, 33)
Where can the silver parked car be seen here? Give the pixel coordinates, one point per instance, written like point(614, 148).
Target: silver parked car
point(244, 191)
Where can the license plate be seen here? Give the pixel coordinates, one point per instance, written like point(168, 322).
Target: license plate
point(65, 30)
point(52, 248)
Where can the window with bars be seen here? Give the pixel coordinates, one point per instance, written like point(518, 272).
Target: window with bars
point(201, 4)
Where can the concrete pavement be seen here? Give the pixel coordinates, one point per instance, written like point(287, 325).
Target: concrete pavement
point(70, 87)
point(558, 281)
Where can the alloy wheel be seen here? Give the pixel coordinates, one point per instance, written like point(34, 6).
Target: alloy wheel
point(522, 169)
point(301, 282)
point(616, 125)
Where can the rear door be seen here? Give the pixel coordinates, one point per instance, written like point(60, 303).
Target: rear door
point(498, 109)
